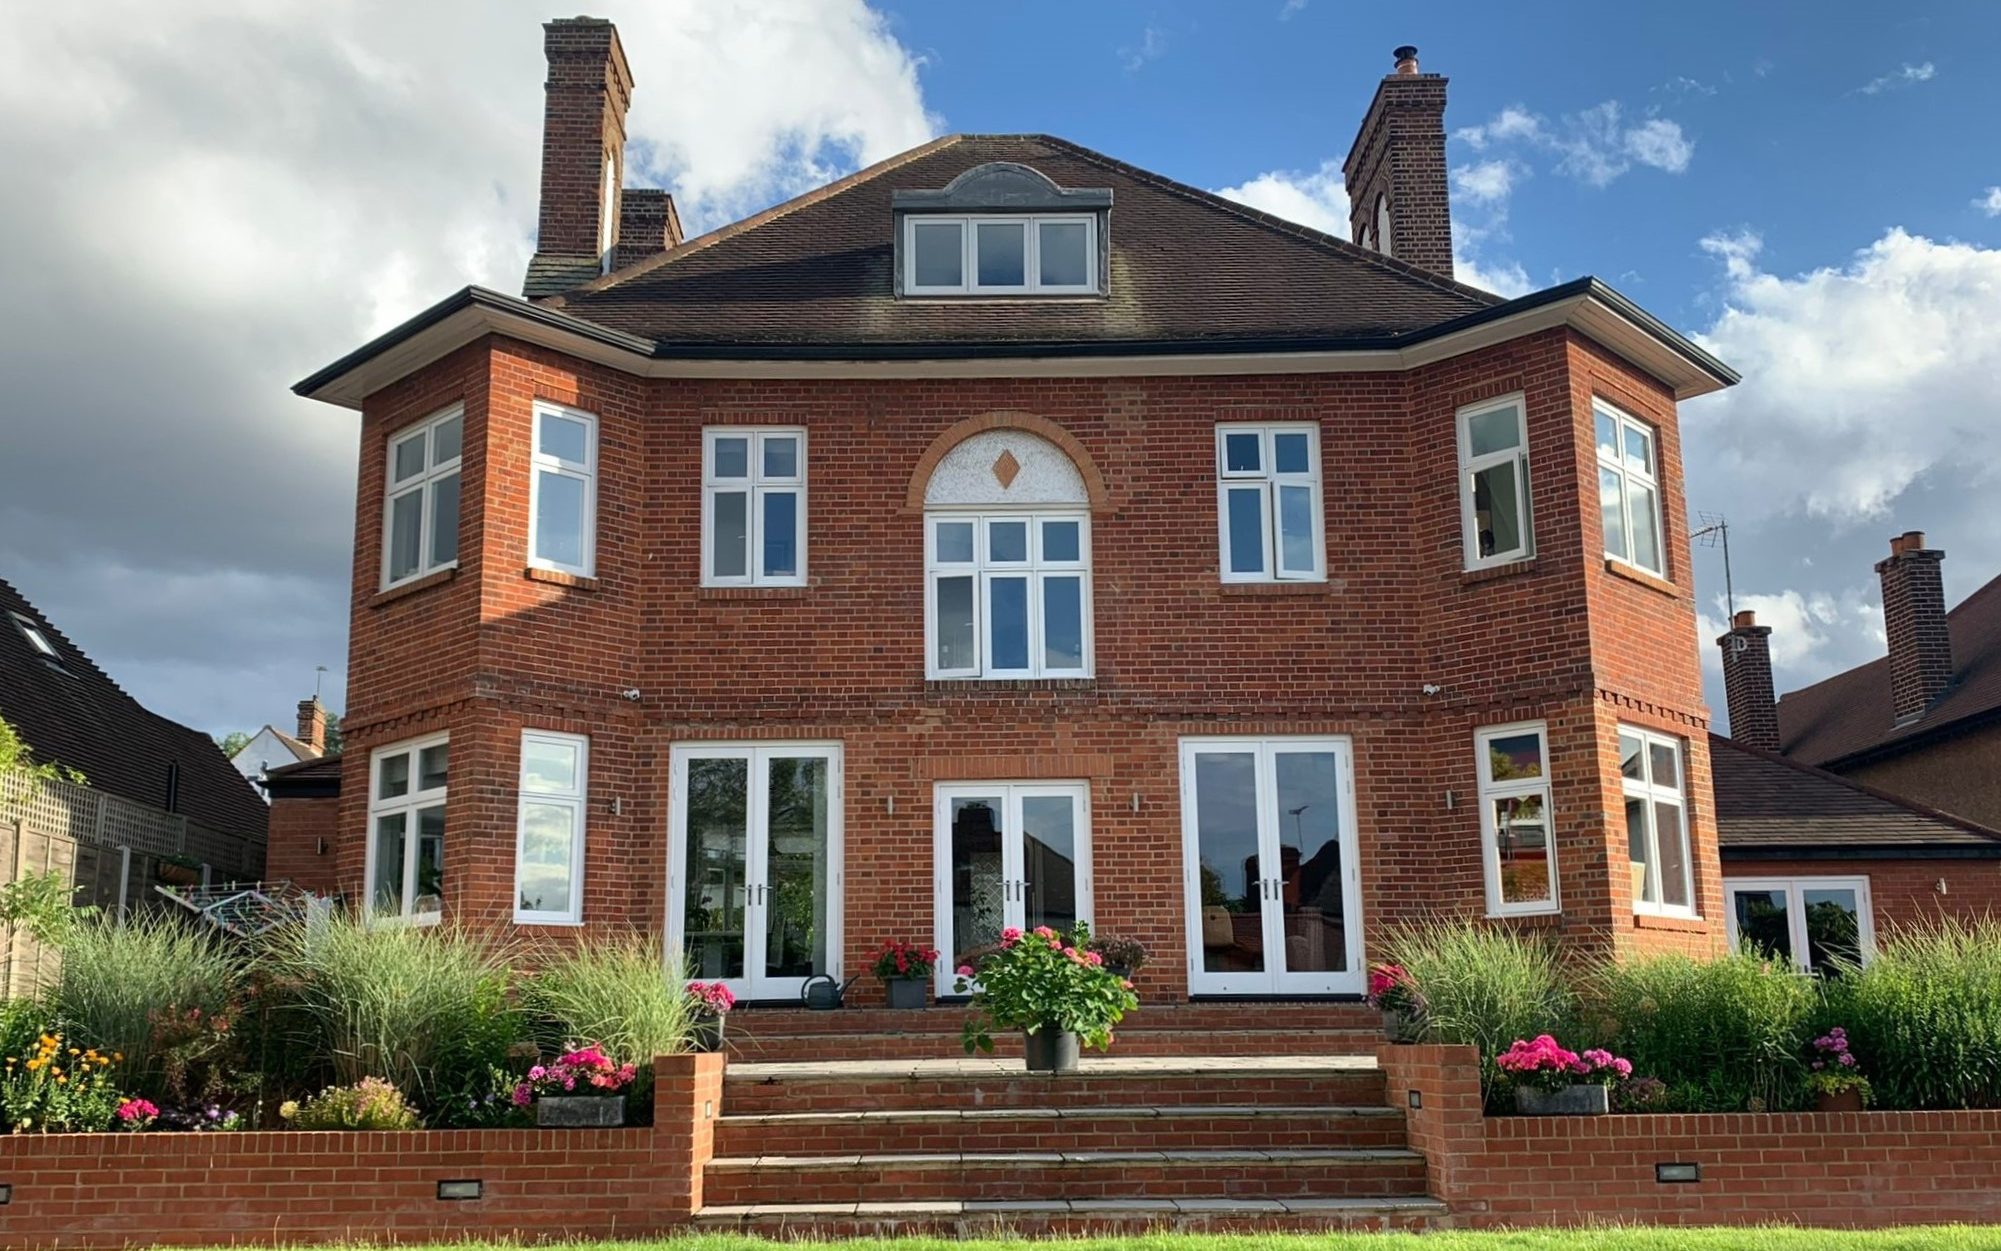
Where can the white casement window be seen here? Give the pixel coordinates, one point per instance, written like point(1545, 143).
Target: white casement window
point(420, 524)
point(1629, 493)
point(549, 845)
point(562, 490)
point(1494, 483)
point(1516, 828)
point(1814, 924)
point(1268, 503)
point(1008, 595)
point(1651, 771)
point(406, 831)
point(988, 255)
point(754, 507)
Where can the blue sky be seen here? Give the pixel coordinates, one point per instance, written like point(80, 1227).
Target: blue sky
point(1812, 190)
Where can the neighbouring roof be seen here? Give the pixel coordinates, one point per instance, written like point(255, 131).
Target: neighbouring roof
point(300, 749)
point(306, 779)
point(1771, 805)
point(1850, 715)
point(1191, 274)
point(69, 712)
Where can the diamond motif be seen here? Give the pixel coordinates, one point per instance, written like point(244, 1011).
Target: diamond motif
point(1006, 468)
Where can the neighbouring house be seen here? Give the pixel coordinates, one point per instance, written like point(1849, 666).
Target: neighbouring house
point(305, 823)
point(155, 791)
point(272, 748)
point(1008, 535)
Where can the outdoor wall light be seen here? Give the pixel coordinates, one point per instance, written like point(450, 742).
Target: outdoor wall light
point(1673, 1173)
point(467, 1188)
point(1416, 1098)
point(6, 1193)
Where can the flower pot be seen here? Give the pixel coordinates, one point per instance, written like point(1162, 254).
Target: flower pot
point(706, 1033)
point(1837, 1100)
point(1588, 1099)
point(908, 992)
point(580, 1111)
point(177, 874)
point(1051, 1050)
point(1403, 1027)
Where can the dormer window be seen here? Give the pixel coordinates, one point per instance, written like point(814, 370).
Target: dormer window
point(1001, 229)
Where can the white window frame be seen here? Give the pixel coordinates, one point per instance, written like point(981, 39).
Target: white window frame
point(423, 484)
point(1268, 480)
point(410, 803)
point(969, 224)
point(1490, 790)
point(1795, 889)
point(983, 570)
point(577, 800)
point(1645, 788)
point(1650, 479)
point(1014, 883)
point(586, 472)
point(1470, 465)
point(36, 639)
point(754, 485)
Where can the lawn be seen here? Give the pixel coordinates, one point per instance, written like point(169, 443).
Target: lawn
point(1929, 1238)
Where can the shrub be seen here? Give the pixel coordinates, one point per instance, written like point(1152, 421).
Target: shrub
point(1129, 954)
point(616, 990)
point(1925, 1015)
point(1043, 980)
point(1723, 1035)
point(1485, 987)
point(370, 1103)
point(59, 1086)
point(116, 979)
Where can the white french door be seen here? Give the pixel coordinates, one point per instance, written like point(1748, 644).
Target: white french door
point(1270, 871)
point(1006, 854)
point(754, 865)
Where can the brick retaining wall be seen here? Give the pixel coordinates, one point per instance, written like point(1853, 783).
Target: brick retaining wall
point(1850, 1169)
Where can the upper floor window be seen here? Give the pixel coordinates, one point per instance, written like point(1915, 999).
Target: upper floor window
point(1629, 494)
point(1008, 595)
point(406, 830)
point(421, 517)
point(754, 507)
point(36, 639)
point(1494, 483)
point(978, 254)
point(1519, 839)
point(562, 491)
point(1651, 774)
point(1268, 503)
point(549, 848)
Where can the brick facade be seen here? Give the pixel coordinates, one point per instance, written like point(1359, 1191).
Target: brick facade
point(491, 648)
point(304, 833)
point(1903, 891)
point(1399, 158)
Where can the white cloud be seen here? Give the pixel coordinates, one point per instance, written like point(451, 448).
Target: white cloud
point(1660, 143)
point(1152, 46)
point(1905, 75)
point(1511, 123)
point(1316, 198)
point(1990, 203)
point(1486, 183)
point(1289, 8)
point(1595, 145)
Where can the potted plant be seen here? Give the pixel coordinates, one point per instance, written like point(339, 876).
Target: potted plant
point(1393, 990)
point(1051, 987)
point(905, 969)
point(709, 1002)
point(580, 1089)
point(178, 870)
point(1551, 1080)
point(1123, 956)
point(1836, 1081)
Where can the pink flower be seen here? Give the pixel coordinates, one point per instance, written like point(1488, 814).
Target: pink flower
point(1010, 936)
point(1094, 957)
point(965, 970)
point(1043, 931)
point(137, 1110)
point(523, 1095)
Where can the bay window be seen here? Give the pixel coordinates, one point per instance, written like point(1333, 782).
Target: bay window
point(1518, 837)
point(549, 845)
point(406, 831)
point(1629, 493)
point(1652, 775)
point(562, 490)
point(420, 526)
point(1494, 483)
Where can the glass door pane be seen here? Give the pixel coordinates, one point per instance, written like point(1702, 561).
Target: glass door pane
point(1833, 926)
point(974, 859)
point(1764, 924)
point(1051, 866)
point(717, 872)
point(1312, 870)
point(1229, 871)
point(793, 891)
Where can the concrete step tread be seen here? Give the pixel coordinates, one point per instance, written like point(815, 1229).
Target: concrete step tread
point(918, 1209)
point(1099, 1112)
point(988, 1069)
point(1042, 1159)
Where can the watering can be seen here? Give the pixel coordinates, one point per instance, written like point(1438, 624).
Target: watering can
point(823, 994)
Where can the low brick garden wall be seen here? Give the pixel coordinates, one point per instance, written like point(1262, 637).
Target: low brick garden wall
point(114, 1190)
point(1806, 1168)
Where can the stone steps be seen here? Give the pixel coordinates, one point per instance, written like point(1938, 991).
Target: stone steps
point(1103, 1128)
point(959, 1218)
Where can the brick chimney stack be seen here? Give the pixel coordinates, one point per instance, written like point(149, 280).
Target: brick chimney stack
point(313, 725)
point(1747, 682)
point(1914, 620)
point(1397, 196)
point(583, 153)
point(647, 225)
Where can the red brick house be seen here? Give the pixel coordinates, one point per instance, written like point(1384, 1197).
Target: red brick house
point(1004, 534)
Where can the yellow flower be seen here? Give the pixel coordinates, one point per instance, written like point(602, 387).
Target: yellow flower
point(60, 1079)
point(73, 1051)
point(118, 1057)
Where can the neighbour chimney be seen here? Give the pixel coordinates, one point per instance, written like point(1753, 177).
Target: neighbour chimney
point(583, 153)
point(1398, 203)
point(1914, 620)
point(313, 725)
point(647, 225)
point(1747, 682)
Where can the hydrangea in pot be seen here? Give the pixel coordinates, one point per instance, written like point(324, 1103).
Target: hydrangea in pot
point(1051, 987)
point(1394, 991)
point(905, 970)
point(1551, 1080)
point(581, 1088)
point(711, 1002)
point(1836, 1080)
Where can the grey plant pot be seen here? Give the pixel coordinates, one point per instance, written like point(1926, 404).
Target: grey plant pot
point(1403, 1027)
point(580, 1111)
point(1588, 1099)
point(1051, 1050)
point(908, 992)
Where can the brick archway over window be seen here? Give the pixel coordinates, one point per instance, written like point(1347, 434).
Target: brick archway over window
point(1094, 482)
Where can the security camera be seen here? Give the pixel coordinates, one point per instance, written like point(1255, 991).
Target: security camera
point(631, 693)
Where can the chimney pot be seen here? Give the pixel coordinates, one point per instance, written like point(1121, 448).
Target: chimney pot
point(1744, 620)
point(1406, 58)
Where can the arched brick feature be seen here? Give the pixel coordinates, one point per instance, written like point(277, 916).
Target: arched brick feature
point(1094, 482)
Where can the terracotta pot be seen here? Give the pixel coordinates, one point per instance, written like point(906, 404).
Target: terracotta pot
point(1837, 1100)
